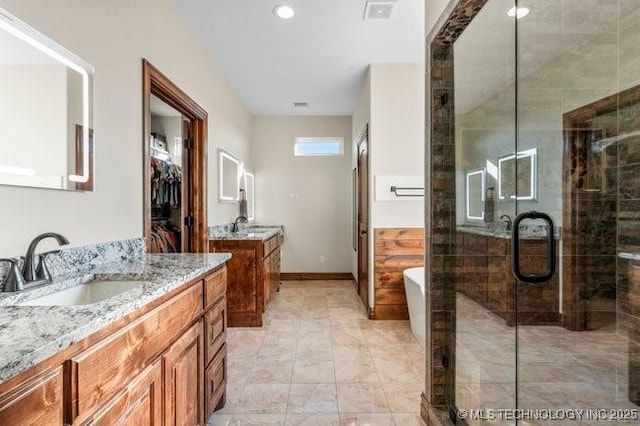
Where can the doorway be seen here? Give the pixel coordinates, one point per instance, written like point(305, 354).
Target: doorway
point(363, 217)
point(175, 167)
point(533, 214)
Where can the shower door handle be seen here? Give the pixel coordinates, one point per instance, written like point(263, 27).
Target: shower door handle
point(515, 249)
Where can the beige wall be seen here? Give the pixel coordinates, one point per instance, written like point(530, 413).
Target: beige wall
point(397, 138)
point(310, 196)
point(114, 36)
point(392, 103)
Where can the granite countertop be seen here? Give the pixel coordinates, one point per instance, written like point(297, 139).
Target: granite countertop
point(526, 232)
point(253, 232)
point(31, 334)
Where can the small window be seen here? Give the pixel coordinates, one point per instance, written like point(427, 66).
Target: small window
point(318, 146)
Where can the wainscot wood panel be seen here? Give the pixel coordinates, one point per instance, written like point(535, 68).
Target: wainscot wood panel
point(395, 249)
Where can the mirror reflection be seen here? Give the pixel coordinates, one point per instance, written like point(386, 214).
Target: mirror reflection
point(475, 194)
point(45, 111)
point(250, 188)
point(229, 173)
point(517, 176)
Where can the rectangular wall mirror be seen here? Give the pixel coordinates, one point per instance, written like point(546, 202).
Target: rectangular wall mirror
point(250, 188)
point(228, 177)
point(475, 188)
point(46, 110)
point(526, 175)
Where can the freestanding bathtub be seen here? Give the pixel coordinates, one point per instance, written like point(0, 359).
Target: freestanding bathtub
point(414, 289)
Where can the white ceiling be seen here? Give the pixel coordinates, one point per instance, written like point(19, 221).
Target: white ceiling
point(319, 57)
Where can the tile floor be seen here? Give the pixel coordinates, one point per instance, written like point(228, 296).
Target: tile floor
point(557, 368)
point(319, 361)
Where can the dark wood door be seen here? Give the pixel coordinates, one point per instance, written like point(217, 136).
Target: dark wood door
point(363, 218)
point(183, 379)
point(187, 180)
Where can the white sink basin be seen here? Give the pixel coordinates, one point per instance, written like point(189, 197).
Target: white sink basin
point(84, 294)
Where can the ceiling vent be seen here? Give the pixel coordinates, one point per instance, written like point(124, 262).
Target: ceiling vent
point(301, 104)
point(378, 9)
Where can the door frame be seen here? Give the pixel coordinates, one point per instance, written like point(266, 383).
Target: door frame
point(156, 83)
point(363, 289)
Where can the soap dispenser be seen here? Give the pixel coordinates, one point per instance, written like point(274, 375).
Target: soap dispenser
point(243, 204)
point(489, 205)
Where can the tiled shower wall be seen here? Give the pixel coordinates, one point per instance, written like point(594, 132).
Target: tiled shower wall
point(441, 216)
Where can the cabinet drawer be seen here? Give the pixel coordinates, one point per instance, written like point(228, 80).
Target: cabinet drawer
point(215, 286)
point(34, 403)
point(216, 382)
point(98, 373)
point(140, 403)
point(215, 322)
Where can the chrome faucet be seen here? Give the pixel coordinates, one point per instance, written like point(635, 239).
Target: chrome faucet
point(34, 271)
point(34, 268)
point(242, 219)
point(507, 220)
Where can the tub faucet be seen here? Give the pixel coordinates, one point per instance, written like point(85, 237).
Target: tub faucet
point(507, 220)
point(35, 268)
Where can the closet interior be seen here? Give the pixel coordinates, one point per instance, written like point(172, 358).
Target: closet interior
point(166, 149)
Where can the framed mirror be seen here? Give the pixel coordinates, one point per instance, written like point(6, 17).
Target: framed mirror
point(228, 177)
point(474, 194)
point(524, 163)
point(46, 110)
point(250, 188)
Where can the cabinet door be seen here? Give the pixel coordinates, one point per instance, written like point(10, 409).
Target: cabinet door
point(268, 278)
point(140, 404)
point(37, 402)
point(183, 376)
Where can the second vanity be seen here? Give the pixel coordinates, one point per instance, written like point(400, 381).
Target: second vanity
point(484, 257)
point(152, 354)
point(254, 271)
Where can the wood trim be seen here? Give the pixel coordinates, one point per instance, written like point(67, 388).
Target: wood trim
point(88, 185)
point(578, 252)
point(156, 83)
point(316, 276)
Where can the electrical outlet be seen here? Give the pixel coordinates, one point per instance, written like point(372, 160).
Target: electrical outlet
point(322, 259)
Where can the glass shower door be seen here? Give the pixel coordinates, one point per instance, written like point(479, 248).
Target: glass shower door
point(577, 159)
point(480, 288)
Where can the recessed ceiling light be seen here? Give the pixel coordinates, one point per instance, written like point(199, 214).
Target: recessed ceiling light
point(284, 11)
point(519, 12)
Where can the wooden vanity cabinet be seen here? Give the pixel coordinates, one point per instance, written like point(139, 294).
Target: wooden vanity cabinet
point(149, 369)
point(253, 277)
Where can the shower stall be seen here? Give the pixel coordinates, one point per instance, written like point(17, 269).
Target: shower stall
point(533, 219)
